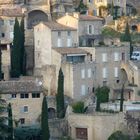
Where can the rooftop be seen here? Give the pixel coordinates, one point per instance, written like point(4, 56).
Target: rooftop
point(58, 27)
point(64, 50)
point(20, 87)
point(89, 18)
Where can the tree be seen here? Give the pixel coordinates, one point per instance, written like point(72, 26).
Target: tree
point(78, 107)
point(118, 135)
point(112, 9)
point(81, 7)
point(16, 51)
point(102, 94)
point(0, 63)
point(3, 126)
point(10, 123)
point(122, 98)
point(127, 37)
point(23, 53)
point(44, 121)
point(60, 96)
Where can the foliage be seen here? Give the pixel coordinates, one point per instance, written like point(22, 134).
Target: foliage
point(118, 135)
point(109, 32)
point(78, 107)
point(10, 123)
point(1, 64)
point(60, 96)
point(23, 53)
point(44, 120)
point(134, 11)
point(102, 94)
point(15, 51)
point(137, 137)
point(101, 43)
point(3, 126)
point(127, 37)
point(81, 7)
point(116, 8)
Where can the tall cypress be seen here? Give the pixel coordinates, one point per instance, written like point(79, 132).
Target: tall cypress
point(44, 121)
point(23, 54)
point(112, 9)
point(127, 37)
point(0, 63)
point(10, 123)
point(16, 51)
point(60, 96)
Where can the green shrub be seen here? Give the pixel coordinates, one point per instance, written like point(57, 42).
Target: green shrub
point(78, 107)
point(118, 135)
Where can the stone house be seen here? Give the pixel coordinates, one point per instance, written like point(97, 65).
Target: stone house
point(78, 70)
point(48, 35)
point(97, 126)
point(119, 4)
point(26, 98)
point(89, 27)
point(109, 68)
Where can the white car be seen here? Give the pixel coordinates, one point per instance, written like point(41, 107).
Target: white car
point(135, 55)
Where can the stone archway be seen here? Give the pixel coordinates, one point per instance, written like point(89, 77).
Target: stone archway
point(36, 16)
point(51, 113)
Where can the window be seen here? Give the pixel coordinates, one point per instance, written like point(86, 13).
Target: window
point(104, 83)
point(90, 29)
point(69, 44)
point(25, 109)
point(123, 56)
point(35, 95)
point(82, 73)
point(81, 133)
point(83, 89)
point(1, 22)
point(11, 22)
point(11, 35)
point(116, 56)
point(13, 95)
point(116, 72)
point(69, 33)
point(104, 57)
point(89, 73)
point(104, 72)
point(59, 34)
point(24, 95)
point(22, 120)
point(59, 42)
point(2, 34)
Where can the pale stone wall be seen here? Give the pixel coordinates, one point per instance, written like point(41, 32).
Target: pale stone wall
point(34, 107)
point(64, 38)
point(42, 44)
point(69, 21)
point(100, 125)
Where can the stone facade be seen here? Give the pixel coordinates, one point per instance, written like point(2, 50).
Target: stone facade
point(89, 27)
point(94, 127)
point(26, 98)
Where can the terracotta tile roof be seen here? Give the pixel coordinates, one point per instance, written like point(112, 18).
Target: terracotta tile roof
point(19, 87)
point(70, 50)
point(89, 18)
point(58, 27)
point(11, 12)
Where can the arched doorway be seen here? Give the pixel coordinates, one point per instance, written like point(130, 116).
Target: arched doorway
point(36, 16)
point(51, 113)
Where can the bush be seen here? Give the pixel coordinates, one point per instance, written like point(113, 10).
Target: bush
point(78, 107)
point(104, 94)
point(118, 135)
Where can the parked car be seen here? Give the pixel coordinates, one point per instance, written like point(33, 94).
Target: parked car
point(135, 55)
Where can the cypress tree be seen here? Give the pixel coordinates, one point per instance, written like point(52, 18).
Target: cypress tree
point(98, 99)
point(15, 51)
point(127, 37)
point(60, 96)
point(112, 9)
point(10, 123)
point(23, 54)
point(122, 98)
point(0, 63)
point(44, 121)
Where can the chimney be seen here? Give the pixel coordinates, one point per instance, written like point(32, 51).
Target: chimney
point(76, 14)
